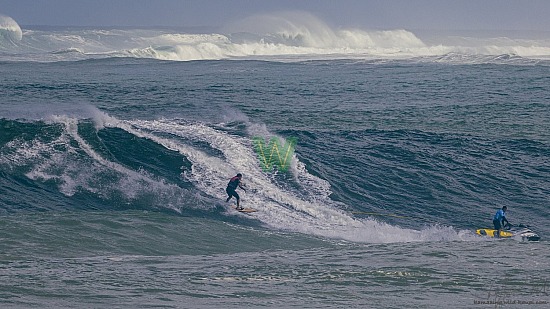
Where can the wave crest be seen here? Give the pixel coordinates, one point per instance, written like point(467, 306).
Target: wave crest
point(305, 30)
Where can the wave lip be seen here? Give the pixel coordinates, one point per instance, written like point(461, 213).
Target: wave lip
point(10, 29)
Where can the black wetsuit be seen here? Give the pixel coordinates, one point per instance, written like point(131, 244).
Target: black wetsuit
point(231, 187)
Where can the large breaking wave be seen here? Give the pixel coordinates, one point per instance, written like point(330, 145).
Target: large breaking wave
point(96, 158)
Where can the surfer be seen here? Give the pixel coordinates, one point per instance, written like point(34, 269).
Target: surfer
point(232, 186)
point(499, 219)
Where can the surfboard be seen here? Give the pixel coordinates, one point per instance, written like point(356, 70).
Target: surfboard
point(245, 210)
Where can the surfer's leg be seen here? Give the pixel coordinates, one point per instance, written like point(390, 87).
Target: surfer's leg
point(236, 195)
point(497, 225)
point(229, 193)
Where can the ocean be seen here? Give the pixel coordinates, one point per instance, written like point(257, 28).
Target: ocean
point(116, 146)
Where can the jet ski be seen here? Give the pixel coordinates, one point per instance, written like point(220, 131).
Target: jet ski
point(520, 232)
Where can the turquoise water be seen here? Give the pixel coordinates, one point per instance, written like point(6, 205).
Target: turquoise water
point(112, 178)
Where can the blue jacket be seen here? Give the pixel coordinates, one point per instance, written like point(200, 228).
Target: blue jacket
point(500, 215)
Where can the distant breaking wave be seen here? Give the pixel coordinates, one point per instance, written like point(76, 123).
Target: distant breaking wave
point(287, 36)
point(9, 30)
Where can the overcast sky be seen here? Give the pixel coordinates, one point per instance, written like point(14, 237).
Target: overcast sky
point(364, 14)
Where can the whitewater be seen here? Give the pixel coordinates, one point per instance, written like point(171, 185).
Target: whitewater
point(291, 36)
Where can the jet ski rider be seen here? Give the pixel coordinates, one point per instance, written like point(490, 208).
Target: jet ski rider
point(499, 219)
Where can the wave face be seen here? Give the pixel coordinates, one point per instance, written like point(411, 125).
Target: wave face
point(287, 36)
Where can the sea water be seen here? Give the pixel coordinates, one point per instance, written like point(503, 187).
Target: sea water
point(115, 150)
